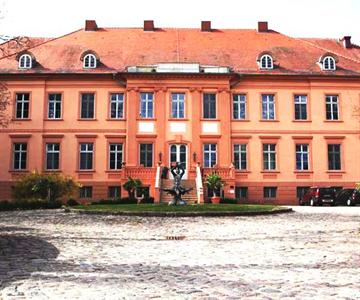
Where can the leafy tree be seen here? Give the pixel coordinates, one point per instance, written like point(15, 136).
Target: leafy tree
point(131, 185)
point(214, 182)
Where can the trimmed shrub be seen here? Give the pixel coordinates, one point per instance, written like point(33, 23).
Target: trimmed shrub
point(228, 201)
point(44, 186)
point(126, 200)
point(29, 204)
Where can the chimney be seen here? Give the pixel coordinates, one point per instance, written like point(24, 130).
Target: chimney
point(90, 25)
point(347, 41)
point(149, 25)
point(206, 26)
point(263, 27)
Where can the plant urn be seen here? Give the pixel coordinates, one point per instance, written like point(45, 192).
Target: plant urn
point(215, 200)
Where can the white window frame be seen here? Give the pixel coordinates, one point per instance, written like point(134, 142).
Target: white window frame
point(147, 100)
point(90, 61)
point(86, 151)
point(238, 148)
point(56, 102)
point(116, 152)
point(300, 100)
point(329, 100)
point(209, 152)
point(268, 152)
point(176, 99)
point(239, 100)
point(21, 152)
point(51, 151)
point(266, 62)
point(119, 99)
point(25, 61)
point(304, 152)
point(22, 101)
point(268, 102)
point(329, 63)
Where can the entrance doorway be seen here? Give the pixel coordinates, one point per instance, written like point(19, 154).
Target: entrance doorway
point(178, 153)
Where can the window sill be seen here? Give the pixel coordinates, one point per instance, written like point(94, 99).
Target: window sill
point(333, 121)
point(270, 172)
point(79, 119)
point(209, 120)
point(85, 171)
point(242, 171)
point(115, 119)
point(302, 121)
point(19, 171)
point(145, 119)
point(178, 119)
point(303, 171)
point(240, 120)
point(335, 172)
point(269, 120)
point(52, 171)
point(60, 119)
point(17, 119)
point(114, 171)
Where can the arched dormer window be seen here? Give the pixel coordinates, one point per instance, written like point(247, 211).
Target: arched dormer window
point(25, 61)
point(90, 61)
point(266, 62)
point(328, 62)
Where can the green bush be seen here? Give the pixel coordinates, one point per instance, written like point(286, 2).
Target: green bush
point(126, 200)
point(44, 186)
point(131, 185)
point(29, 204)
point(228, 201)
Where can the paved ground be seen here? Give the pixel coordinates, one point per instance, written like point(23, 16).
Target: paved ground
point(54, 255)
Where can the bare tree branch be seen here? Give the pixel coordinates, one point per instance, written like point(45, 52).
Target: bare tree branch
point(5, 102)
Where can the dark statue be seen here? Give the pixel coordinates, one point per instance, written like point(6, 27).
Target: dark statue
point(177, 190)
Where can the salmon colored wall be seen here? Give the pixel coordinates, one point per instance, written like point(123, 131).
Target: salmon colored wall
point(284, 131)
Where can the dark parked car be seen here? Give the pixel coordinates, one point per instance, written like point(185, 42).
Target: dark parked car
point(318, 196)
point(354, 199)
point(343, 197)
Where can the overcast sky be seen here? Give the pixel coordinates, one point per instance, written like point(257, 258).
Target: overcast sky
point(300, 18)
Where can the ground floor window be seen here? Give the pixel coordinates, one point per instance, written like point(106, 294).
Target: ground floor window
point(300, 191)
point(114, 192)
point(241, 192)
point(86, 192)
point(270, 192)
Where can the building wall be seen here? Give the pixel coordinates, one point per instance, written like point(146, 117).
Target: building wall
point(192, 130)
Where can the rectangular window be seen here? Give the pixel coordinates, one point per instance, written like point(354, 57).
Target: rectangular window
point(116, 106)
point(300, 107)
point(239, 107)
point(210, 155)
point(209, 106)
point(302, 157)
point(54, 106)
point(270, 192)
point(268, 107)
point(87, 106)
point(300, 191)
point(240, 156)
point(269, 156)
point(19, 156)
point(146, 155)
point(332, 108)
point(146, 105)
point(334, 158)
point(86, 156)
point(114, 192)
point(86, 192)
point(115, 156)
point(178, 106)
point(241, 192)
point(22, 105)
point(52, 156)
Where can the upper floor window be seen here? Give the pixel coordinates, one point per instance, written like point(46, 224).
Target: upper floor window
point(268, 107)
point(239, 107)
point(22, 105)
point(19, 156)
point(328, 63)
point(302, 157)
point(334, 159)
point(54, 106)
point(210, 155)
point(116, 156)
point(269, 157)
point(177, 105)
point(25, 61)
point(332, 107)
point(87, 106)
point(209, 106)
point(90, 61)
point(86, 156)
point(146, 105)
point(266, 62)
point(117, 106)
point(146, 155)
point(52, 156)
point(240, 156)
point(300, 107)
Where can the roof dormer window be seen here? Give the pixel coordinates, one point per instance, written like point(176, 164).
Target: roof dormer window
point(266, 62)
point(90, 61)
point(329, 64)
point(25, 61)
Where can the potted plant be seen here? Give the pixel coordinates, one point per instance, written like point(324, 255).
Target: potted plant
point(214, 182)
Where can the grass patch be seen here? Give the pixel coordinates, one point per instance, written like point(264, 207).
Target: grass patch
point(182, 208)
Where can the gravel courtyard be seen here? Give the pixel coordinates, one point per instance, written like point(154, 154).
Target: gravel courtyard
point(301, 255)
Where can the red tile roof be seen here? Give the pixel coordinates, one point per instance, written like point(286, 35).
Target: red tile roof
point(119, 48)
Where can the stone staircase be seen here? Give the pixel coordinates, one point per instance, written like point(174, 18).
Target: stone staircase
point(190, 197)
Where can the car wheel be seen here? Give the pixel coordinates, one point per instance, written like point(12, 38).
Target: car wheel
point(348, 202)
point(312, 202)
